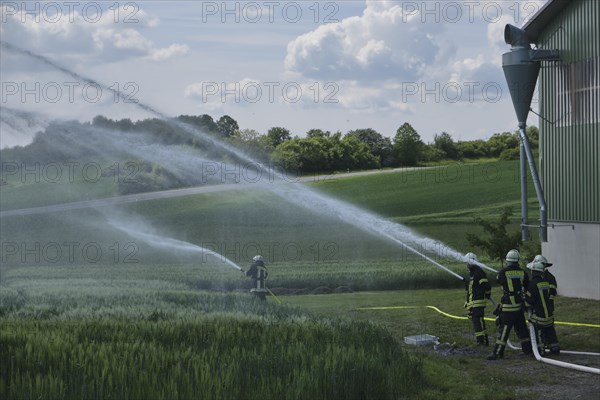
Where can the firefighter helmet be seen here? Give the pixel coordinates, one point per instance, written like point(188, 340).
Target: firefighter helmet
point(470, 257)
point(257, 258)
point(536, 266)
point(513, 255)
point(543, 260)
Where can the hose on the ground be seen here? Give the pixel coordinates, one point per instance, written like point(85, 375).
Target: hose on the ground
point(512, 346)
point(551, 361)
point(538, 357)
point(458, 317)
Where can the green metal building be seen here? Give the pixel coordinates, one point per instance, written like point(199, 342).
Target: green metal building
point(569, 105)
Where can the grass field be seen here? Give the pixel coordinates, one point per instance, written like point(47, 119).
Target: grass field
point(412, 196)
point(91, 311)
point(143, 333)
point(165, 343)
point(440, 202)
point(114, 333)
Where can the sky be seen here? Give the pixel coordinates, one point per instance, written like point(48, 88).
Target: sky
point(331, 65)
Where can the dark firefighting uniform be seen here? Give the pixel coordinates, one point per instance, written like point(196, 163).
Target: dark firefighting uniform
point(553, 293)
point(258, 273)
point(478, 291)
point(552, 282)
point(514, 282)
point(539, 298)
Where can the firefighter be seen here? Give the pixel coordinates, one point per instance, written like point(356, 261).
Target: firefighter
point(514, 281)
point(547, 275)
point(258, 273)
point(478, 291)
point(540, 298)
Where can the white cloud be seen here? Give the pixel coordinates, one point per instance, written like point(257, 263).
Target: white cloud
point(384, 42)
point(390, 58)
point(125, 39)
point(168, 52)
point(108, 35)
point(385, 97)
point(384, 60)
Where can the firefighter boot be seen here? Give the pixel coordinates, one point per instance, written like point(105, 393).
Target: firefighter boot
point(483, 340)
point(526, 347)
point(541, 350)
point(554, 349)
point(497, 353)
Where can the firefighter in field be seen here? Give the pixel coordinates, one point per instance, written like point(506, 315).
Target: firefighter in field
point(514, 282)
point(478, 292)
point(539, 299)
point(258, 273)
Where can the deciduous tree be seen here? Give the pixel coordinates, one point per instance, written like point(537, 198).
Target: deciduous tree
point(499, 241)
point(278, 135)
point(227, 126)
point(408, 145)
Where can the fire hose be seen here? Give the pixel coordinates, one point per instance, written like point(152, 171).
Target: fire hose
point(465, 318)
point(557, 363)
point(273, 294)
point(534, 339)
point(510, 345)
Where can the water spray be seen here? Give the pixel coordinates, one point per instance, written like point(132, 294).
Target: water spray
point(353, 215)
point(425, 257)
point(161, 241)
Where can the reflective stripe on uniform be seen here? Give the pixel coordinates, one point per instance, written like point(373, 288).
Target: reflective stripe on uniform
point(261, 276)
point(512, 307)
point(542, 321)
point(542, 286)
point(477, 303)
point(502, 335)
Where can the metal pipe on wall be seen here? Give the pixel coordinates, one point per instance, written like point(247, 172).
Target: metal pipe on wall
point(524, 212)
point(536, 183)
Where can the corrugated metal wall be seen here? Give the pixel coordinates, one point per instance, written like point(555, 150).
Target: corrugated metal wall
point(569, 96)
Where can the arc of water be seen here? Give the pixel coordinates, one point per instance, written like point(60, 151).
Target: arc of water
point(400, 235)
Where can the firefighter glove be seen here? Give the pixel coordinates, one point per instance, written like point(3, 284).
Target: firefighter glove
point(497, 310)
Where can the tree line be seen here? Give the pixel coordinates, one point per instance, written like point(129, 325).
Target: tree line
point(317, 151)
point(358, 149)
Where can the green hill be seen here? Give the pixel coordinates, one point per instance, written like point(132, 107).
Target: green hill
point(303, 247)
point(90, 308)
point(442, 201)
